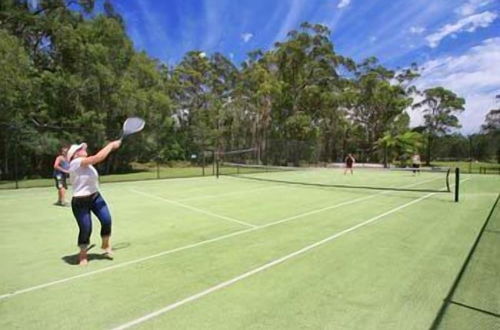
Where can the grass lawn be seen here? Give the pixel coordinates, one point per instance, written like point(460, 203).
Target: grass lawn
point(231, 253)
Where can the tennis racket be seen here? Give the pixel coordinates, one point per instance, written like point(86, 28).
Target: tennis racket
point(131, 126)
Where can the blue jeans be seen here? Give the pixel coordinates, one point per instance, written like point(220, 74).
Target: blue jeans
point(82, 206)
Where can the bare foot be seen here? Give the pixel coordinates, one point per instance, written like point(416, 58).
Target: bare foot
point(83, 257)
point(106, 246)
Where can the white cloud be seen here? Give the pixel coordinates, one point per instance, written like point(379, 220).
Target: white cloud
point(469, 24)
point(203, 54)
point(343, 3)
point(417, 29)
point(247, 36)
point(471, 6)
point(472, 75)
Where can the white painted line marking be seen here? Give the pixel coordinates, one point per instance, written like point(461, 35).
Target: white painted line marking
point(262, 268)
point(186, 247)
point(194, 208)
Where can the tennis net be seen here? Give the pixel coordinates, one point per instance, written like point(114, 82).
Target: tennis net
point(436, 180)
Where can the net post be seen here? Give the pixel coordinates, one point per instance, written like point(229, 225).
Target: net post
point(448, 180)
point(217, 165)
point(457, 183)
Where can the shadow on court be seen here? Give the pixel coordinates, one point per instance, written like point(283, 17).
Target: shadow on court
point(121, 246)
point(73, 259)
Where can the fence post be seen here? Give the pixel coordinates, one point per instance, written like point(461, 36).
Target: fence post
point(217, 164)
point(213, 162)
point(16, 163)
point(203, 162)
point(15, 170)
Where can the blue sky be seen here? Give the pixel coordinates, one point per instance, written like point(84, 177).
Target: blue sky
point(456, 42)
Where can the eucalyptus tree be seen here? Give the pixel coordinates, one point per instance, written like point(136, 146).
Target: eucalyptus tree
point(491, 130)
point(309, 71)
point(201, 86)
point(440, 107)
point(16, 98)
point(257, 92)
point(378, 102)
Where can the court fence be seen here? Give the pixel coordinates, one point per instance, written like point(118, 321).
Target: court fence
point(203, 163)
point(476, 276)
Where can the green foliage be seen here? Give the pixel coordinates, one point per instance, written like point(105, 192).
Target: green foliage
point(440, 107)
point(76, 72)
point(400, 147)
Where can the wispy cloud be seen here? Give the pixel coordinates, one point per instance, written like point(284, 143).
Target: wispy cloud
point(247, 36)
point(468, 24)
point(471, 6)
point(153, 26)
point(470, 75)
point(213, 27)
point(291, 20)
point(343, 3)
point(417, 30)
point(393, 29)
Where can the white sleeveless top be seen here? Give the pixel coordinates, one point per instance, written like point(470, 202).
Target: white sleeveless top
point(84, 179)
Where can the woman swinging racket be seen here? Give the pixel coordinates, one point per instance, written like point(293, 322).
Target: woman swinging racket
point(86, 197)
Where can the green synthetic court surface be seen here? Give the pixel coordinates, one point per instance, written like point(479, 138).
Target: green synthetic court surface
point(231, 253)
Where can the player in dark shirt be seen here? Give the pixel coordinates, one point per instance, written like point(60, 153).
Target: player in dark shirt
point(349, 163)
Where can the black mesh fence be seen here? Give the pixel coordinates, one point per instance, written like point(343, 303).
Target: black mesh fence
point(196, 164)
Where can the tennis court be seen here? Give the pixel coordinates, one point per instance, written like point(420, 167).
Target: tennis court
point(233, 253)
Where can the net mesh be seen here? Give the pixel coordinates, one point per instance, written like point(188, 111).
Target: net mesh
point(243, 164)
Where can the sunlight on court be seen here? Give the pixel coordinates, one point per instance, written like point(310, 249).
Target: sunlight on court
point(192, 253)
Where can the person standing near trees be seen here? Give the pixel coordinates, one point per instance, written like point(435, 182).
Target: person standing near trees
point(349, 164)
point(416, 162)
point(60, 174)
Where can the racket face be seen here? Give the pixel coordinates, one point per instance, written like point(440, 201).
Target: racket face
point(133, 125)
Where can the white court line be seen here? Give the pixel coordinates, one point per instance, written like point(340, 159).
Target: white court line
point(193, 245)
point(194, 208)
point(263, 267)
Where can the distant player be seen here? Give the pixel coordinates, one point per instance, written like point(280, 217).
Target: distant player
point(415, 161)
point(61, 166)
point(349, 164)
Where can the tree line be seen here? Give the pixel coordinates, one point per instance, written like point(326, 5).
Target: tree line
point(70, 73)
